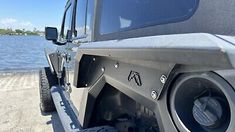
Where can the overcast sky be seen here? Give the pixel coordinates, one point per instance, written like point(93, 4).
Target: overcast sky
point(30, 14)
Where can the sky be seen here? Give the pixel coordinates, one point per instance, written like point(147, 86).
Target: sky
point(30, 14)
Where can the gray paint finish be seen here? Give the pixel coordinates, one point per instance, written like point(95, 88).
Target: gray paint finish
point(180, 49)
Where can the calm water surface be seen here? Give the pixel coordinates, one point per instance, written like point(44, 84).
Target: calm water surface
point(23, 52)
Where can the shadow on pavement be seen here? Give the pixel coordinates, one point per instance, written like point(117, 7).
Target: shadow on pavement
point(55, 121)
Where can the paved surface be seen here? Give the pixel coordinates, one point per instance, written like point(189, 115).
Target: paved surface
point(19, 105)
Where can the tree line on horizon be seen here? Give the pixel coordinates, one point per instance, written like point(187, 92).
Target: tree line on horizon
point(10, 31)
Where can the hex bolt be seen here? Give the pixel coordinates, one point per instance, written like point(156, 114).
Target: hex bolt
point(163, 79)
point(154, 95)
point(102, 69)
point(116, 65)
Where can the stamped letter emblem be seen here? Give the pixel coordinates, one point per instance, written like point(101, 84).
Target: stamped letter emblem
point(135, 76)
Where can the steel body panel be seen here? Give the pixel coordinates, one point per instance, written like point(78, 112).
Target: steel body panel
point(118, 78)
point(180, 49)
point(151, 57)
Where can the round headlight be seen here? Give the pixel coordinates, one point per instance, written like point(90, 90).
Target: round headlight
point(201, 102)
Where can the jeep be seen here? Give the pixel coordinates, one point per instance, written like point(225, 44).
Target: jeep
point(142, 65)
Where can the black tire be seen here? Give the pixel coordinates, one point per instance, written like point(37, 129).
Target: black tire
point(46, 81)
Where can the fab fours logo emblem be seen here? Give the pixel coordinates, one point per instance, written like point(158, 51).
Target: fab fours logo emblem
point(135, 77)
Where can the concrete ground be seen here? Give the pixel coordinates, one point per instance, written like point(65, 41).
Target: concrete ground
point(19, 105)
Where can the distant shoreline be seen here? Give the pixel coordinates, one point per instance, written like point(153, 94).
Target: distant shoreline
point(20, 32)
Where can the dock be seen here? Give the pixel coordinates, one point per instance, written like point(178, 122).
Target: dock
point(19, 100)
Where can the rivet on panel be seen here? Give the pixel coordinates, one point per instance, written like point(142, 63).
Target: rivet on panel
point(102, 69)
point(163, 79)
point(154, 94)
point(116, 65)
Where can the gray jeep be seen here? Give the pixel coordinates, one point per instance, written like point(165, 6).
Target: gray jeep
point(143, 65)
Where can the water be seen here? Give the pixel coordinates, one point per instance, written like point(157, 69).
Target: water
point(20, 53)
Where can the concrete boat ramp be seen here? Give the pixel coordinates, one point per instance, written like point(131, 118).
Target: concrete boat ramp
point(19, 105)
